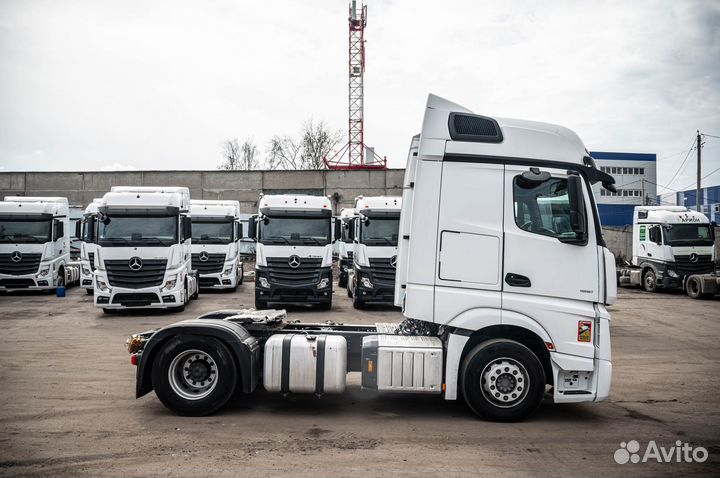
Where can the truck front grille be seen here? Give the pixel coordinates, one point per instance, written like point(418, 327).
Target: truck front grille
point(28, 264)
point(280, 272)
point(91, 258)
point(151, 273)
point(350, 256)
point(212, 265)
point(702, 265)
point(382, 270)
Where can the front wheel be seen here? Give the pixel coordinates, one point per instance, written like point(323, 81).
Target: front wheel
point(502, 380)
point(194, 375)
point(650, 281)
point(89, 291)
point(260, 304)
point(358, 303)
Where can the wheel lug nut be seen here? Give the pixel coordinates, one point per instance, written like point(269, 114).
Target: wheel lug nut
point(507, 369)
point(492, 387)
point(514, 372)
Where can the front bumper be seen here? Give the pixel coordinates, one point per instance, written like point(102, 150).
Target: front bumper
point(28, 282)
point(294, 293)
point(379, 293)
point(150, 298)
point(217, 281)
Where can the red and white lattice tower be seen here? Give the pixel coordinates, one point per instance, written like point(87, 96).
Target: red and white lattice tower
point(358, 156)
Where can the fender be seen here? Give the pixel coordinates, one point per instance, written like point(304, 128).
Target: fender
point(245, 348)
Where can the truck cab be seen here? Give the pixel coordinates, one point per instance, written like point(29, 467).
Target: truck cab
point(216, 235)
point(143, 254)
point(35, 243)
point(344, 245)
point(670, 243)
point(86, 231)
point(294, 250)
point(375, 241)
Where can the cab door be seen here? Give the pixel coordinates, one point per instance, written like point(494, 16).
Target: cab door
point(546, 278)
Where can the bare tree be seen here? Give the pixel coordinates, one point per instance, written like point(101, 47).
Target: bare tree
point(284, 153)
point(315, 143)
point(239, 157)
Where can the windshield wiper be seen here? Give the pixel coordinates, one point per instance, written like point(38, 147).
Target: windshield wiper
point(115, 240)
point(313, 239)
point(211, 240)
point(381, 239)
point(156, 240)
point(277, 238)
point(21, 237)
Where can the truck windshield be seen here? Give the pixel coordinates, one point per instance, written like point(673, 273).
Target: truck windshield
point(123, 231)
point(211, 232)
point(378, 231)
point(25, 230)
point(295, 230)
point(688, 235)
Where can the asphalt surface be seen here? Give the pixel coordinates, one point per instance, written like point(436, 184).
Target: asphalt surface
point(68, 405)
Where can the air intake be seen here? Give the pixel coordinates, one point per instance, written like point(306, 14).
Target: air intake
point(478, 129)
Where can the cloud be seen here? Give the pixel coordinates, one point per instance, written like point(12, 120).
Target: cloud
point(164, 83)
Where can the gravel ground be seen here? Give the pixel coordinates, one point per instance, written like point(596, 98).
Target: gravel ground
point(68, 406)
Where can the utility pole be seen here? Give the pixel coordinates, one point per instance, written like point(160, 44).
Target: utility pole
point(697, 187)
point(643, 201)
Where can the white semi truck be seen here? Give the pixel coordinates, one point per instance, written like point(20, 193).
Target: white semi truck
point(672, 247)
point(345, 245)
point(503, 276)
point(216, 235)
point(143, 254)
point(294, 250)
point(375, 231)
point(35, 244)
point(86, 228)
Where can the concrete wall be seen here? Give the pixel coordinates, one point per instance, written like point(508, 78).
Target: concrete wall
point(245, 186)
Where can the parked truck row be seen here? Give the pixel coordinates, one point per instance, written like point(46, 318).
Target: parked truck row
point(501, 271)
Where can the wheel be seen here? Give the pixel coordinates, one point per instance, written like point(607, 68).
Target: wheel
point(342, 282)
point(693, 288)
point(61, 277)
point(260, 304)
point(89, 291)
point(349, 292)
point(502, 380)
point(196, 294)
point(108, 311)
point(650, 281)
point(358, 303)
point(194, 375)
point(325, 305)
point(180, 308)
point(242, 276)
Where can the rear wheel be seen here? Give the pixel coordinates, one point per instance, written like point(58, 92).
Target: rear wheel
point(694, 288)
point(502, 380)
point(194, 375)
point(650, 281)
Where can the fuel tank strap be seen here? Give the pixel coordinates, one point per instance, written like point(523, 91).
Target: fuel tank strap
point(285, 368)
point(320, 365)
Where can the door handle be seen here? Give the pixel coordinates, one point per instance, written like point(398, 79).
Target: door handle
point(516, 280)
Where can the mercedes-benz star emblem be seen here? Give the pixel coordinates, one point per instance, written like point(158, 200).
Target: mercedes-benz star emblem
point(204, 256)
point(393, 261)
point(693, 257)
point(16, 256)
point(135, 263)
point(294, 262)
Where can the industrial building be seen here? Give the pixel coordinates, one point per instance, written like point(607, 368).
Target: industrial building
point(709, 201)
point(635, 179)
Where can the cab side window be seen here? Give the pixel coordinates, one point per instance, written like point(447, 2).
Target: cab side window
point(542, 208)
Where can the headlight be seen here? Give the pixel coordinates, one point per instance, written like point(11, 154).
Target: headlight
point(264, 283)
point(86, 270)
point(672, 273)
point(323, 283)
point(169, 284)
point(102, 286)
point(365, 281)
point(44, 271)
point(228, 271)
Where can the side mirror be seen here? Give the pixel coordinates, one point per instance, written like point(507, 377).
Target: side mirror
point(252, 227)
point(187, 228)
point(90, 225)
point(59, 230)
point(239, 231)
point(78, 228)
point(578, 218)
point(337, 229)
point(351, 230)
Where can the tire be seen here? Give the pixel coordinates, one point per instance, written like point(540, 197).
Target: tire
point(358, 303)
point(325, 305)
point(173, 381)
point(502, 358)
point(342, 282)
point(107, 311)
point(89, 291)
point(241, 277)
point(180, 308)
point(61, 277)
point(650, 281)
point(693, 288)
point(260, 304)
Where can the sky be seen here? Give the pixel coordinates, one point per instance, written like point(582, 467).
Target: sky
point(114, 85)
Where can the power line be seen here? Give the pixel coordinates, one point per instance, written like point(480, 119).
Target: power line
point(692, 147)
point(710, 135)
